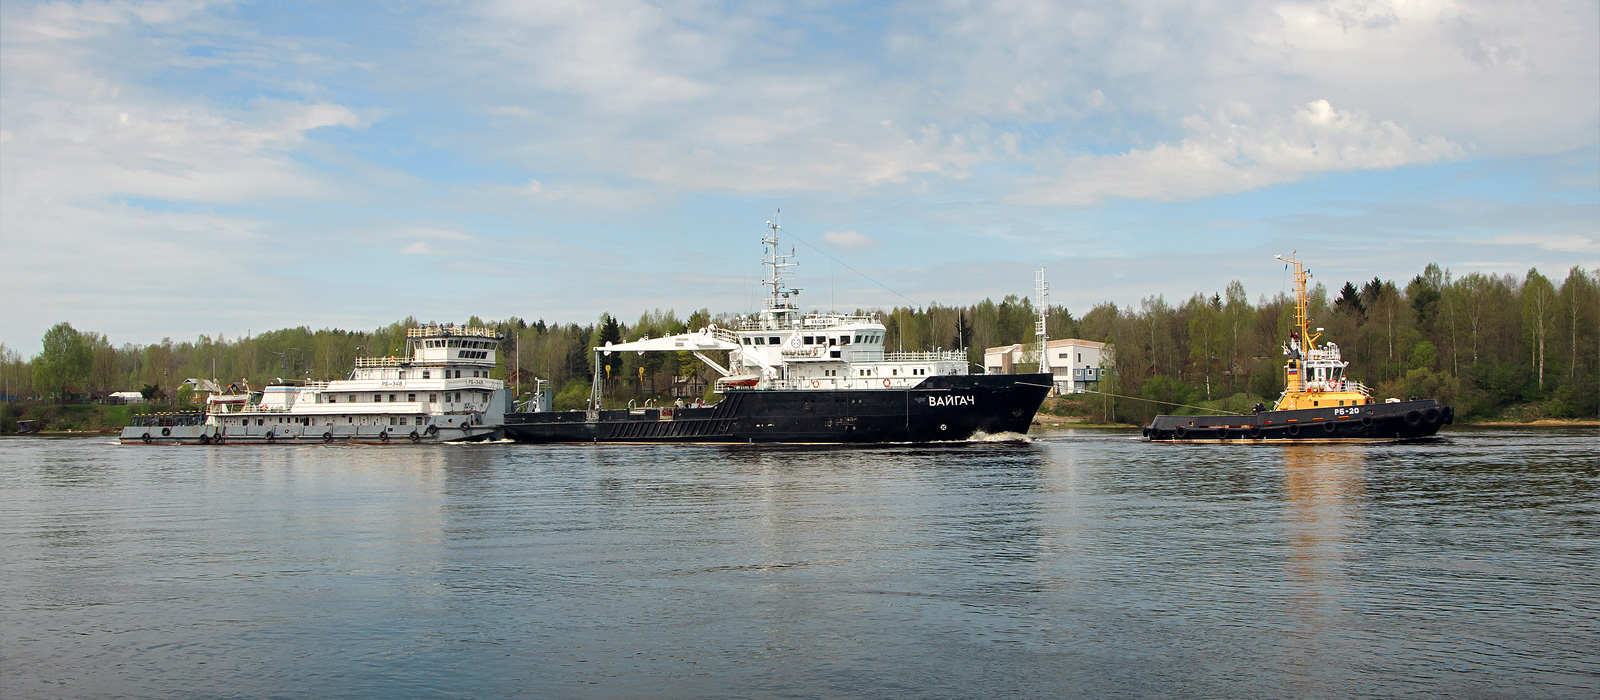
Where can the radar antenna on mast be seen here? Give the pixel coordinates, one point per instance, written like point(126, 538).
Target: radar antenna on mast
point(778, 303)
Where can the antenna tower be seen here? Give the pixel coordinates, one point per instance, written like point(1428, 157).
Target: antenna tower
point(1040, 329)
point(779, 262)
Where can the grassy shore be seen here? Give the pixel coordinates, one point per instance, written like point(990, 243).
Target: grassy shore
point(76, 419)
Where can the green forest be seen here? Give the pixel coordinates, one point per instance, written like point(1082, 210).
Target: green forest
point(1495, 347)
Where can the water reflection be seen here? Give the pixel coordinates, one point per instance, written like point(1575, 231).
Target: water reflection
point(1085, 563)
point(1323, 487)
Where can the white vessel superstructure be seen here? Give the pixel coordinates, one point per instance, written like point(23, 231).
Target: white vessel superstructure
point(781, 348)
point(442, 390)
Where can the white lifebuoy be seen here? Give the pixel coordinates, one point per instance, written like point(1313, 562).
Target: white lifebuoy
point(886, 383)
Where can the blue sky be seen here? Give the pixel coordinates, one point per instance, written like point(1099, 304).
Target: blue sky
point(179, 168)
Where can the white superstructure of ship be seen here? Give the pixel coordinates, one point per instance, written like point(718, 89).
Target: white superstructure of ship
point(781, 348)
point(440, 391)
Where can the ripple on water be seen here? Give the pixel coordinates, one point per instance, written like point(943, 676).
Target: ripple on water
point(1077, 562)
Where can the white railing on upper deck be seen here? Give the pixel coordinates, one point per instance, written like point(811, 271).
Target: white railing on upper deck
point(1330, 385)
point(926, 356)
point(810, 322)
point(438, 331)
point(829, 320)
point(390, 361)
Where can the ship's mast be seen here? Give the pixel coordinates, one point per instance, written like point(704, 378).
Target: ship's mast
point(778, 305)
point(1301, 343)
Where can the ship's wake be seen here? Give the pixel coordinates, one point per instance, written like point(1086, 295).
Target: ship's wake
point(1007, 436)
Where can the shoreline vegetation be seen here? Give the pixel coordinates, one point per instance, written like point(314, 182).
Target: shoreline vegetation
point(1501, 350)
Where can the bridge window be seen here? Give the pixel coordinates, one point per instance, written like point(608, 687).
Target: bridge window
point(761, 341)
point(774, 340)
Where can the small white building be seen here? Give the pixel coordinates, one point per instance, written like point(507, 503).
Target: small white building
point(1076, 365)
point(126, 397)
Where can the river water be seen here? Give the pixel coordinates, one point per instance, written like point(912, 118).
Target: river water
point(1080, 564)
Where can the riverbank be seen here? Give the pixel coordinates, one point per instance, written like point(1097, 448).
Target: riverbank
point(1539, 423)
point(76, 419)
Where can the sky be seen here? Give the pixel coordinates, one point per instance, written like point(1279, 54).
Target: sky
point(178, 168)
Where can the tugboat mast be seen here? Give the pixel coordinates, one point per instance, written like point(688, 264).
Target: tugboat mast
point(1301, 342)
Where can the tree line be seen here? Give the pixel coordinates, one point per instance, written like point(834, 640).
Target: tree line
point(1480, 342)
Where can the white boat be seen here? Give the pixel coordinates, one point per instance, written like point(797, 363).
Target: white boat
point(441, 392)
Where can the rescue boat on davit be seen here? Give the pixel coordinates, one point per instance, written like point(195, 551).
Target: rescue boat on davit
point(1320, 403)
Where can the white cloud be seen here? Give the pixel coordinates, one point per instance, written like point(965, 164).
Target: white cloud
point(543, 125)
point(849, 239)
point(1567, 243)
point(1233, 151)
point(619, 55)
point(110, 186)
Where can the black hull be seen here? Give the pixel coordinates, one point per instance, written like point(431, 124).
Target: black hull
point(941, 408)
point(1404, 420)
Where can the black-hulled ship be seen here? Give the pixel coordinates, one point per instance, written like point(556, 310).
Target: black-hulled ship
point(1319, 402)
point(802, 378)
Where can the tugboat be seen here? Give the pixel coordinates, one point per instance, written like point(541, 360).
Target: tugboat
point(1320, 403)
point(440, 393)
point(801, 378)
